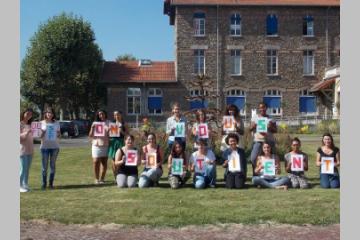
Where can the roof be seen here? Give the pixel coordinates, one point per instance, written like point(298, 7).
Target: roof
point(258, 2)
point(130, 71)
point(322, 85)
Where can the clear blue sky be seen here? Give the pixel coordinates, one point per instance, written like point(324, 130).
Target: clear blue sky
point(138, 27)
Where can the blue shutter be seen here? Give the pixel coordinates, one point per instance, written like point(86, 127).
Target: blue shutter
point(154, 103)
point(271, 25)
point(198, 104)
point(309, 18)
point(237, 101)
point(307, 104)
point(199, 15)
point(272, 102)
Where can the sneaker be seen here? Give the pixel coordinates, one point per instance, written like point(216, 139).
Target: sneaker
point(101, 182)
point(23, 189)
point(43, 187)
point(212, 186)
point(97, 182)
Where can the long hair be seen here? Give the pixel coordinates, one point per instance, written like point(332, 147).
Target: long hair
point(332, 140)
point(23, 113)
point(232, 107)
point(97, 118)
point(49, 109)
point(174, 153)
point(262, 152)
point(197, 115)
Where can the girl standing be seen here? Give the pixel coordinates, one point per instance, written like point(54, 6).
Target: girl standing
point(26, 148)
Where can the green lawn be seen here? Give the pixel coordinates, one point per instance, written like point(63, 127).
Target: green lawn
point(77, 200)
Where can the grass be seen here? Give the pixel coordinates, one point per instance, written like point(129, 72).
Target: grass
point(77, 200)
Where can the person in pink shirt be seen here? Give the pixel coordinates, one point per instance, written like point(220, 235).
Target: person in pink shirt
point(26, 148)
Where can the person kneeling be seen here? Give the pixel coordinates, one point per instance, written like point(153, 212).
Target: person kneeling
point(178, 166)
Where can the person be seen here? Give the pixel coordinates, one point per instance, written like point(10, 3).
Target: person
point(200, 119)
point(297, 178)
point(49, 147)
point(329, 150)
point(117, 142)
point(126, 175)
point(99, 147)
point(268, 181)
point(234, 179)
point(171, 126)
point(203, 165)
point(151, 176)
point(177, 181)
point(233, 110)
point(260, 137)
point(26, 148)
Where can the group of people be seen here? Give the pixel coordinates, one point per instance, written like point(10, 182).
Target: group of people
point(120, 146)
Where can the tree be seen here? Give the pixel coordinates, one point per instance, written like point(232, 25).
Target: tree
point(62, 66)
point(126, 57)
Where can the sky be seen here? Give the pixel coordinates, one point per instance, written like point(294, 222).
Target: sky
point(138, 27)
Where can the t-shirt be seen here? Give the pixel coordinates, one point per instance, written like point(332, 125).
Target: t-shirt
point(287, 158)
point(260, 163)
point(170, 124)
point(26, 140)
point(258, 137)
point(333, 154)
point(47, 141)
point(127, 170)
point(209, 156)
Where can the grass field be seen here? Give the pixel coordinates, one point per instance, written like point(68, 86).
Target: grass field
point(77, 200)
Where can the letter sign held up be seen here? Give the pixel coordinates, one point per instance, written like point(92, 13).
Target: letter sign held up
point(261, 125)
point(151, 160)
point(131, 158)
point(327, 165)
point(234, 162)
point(50, 132)
point(180, 129)
point(228, 123)
point(114, 130)
point(35, 129)
point(199, 165)
point(297, 162)
point(203, 131)
point(99, 129)
point(177, 166)
point(269, 167)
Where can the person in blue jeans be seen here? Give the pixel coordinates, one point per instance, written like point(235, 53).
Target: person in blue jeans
point(262, 178)
point(26, 148)
point(330, 151)
point(203, 165)
point(49, 147)
point(171, 126)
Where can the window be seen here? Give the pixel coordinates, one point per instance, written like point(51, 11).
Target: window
point(271, 25)
point(307, 103)
point(198, 103)
point(308, 59)
point(199, 24)
point(235, 62)
point(308, 26)
point(155, 101)
point(238, 98)
point(235, 25)
point(133, 101)
point(272, 98)
point(272, 60)
point(199, 61)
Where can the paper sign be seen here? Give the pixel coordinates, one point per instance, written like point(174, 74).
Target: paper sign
point(261, 125)
point(114, 130)
point(297, 162)
point(50, 132)
point(180, 129)
point(234, 162)
point(36, 129)
point(229, 123)
point(177, 166)
point(151, 160)
point(199, 165)
point(203, 130)
point(131, 158)
point(327, 165)
point(269, 167)
point(99, 129)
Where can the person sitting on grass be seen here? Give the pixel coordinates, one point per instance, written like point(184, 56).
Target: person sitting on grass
point(151, 175)
point(265, 177)
point(177, 181)
point(297, 178)
point(127, 174)
point(203, 164)
point(330, 152)
point(235, 174)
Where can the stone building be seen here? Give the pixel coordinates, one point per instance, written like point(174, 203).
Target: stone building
point(257, 50)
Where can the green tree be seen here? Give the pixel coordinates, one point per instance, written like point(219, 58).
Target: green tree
point(126, 57)
point(62, 66)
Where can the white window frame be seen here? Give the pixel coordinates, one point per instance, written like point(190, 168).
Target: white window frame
point(198, 60)
point(238, 93)
point(273, 93)
point(234, 64)
point(307, 93)
point(308, 62)
point(155, 92)
point(271, 59)
point(133, 93)
point(199, 27)
point(235, 26)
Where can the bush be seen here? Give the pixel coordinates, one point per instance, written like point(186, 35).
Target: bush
point(331, 126)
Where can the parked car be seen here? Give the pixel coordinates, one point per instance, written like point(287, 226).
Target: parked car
point(69, 129)
point(83, 126)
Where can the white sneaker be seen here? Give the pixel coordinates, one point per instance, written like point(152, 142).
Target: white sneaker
point(23, 189)
point(26, 187)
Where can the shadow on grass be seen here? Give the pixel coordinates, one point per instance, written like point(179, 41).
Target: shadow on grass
point(78, 186)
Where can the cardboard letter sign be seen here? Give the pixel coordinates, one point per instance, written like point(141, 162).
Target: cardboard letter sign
point(269, 167)
point(177, 166)
point(229, 123)
point(297, 162)
point(261, 125)
point(36, 129)
point(180, 129)
point(131, 158)
point(151, 160)
point(234, 162)
point(203, 130)
point(199, 165)
point(114, 130)
point(327, 165)
point(99, 129)
point(50, 132)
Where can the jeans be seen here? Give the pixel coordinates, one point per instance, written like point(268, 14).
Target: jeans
point(330, 180)
point(207, 179)
point(25, 163)
point(123, 180)
point(270, 183)
point(46, 156)
point(149, 176)
point(256, 149)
